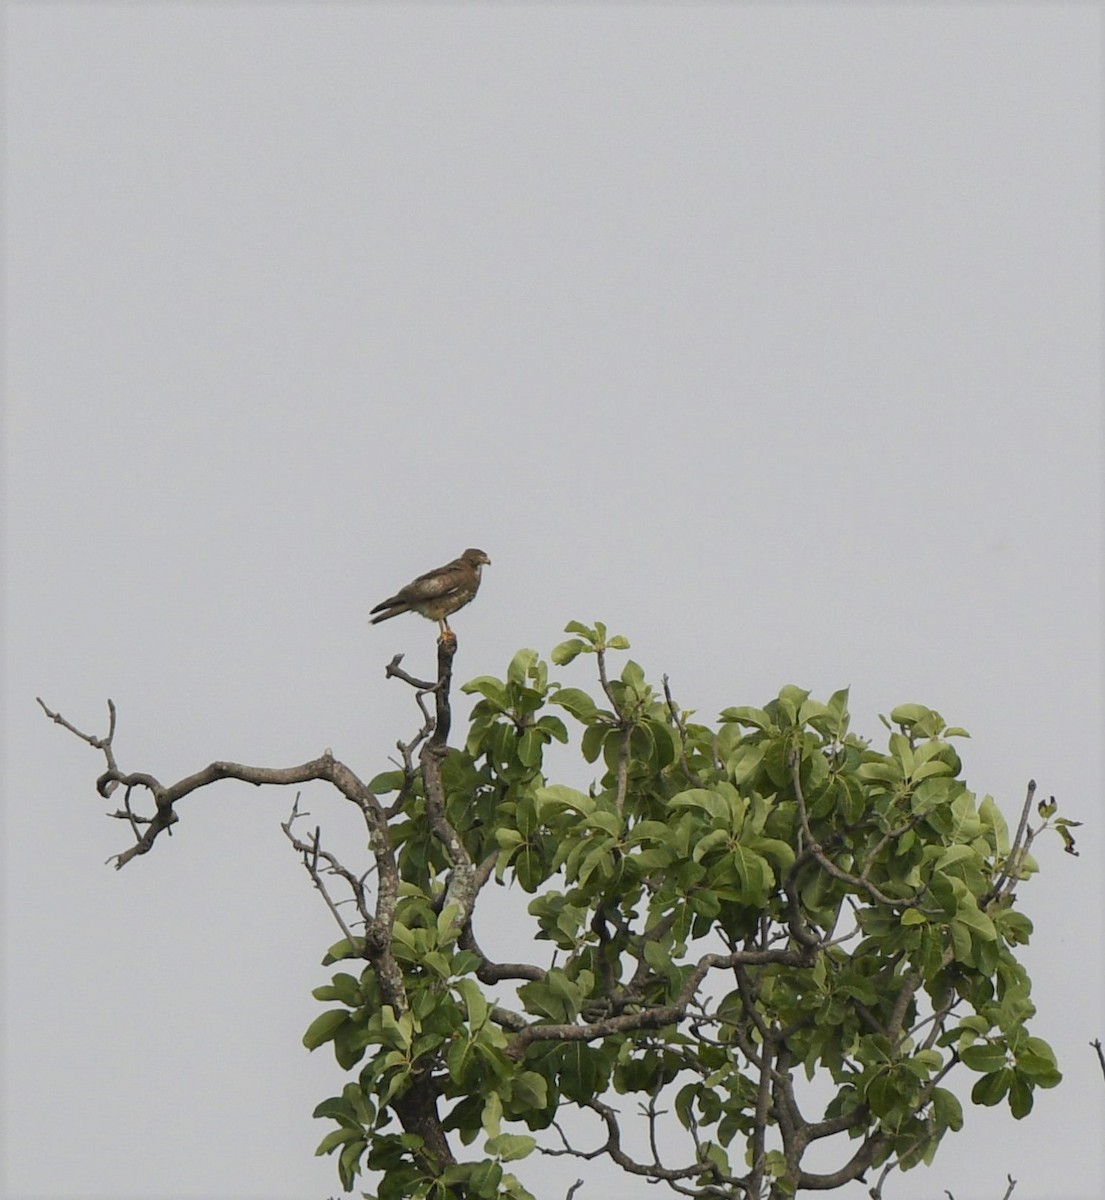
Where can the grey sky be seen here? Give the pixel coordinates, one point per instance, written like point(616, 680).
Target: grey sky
point(769, 335)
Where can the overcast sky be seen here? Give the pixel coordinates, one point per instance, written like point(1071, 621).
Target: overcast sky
point(770, 335)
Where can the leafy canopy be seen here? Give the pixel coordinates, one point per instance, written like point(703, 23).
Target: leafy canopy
point(724, 913)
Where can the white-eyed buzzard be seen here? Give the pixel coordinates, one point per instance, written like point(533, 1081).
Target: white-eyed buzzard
point(438, 593)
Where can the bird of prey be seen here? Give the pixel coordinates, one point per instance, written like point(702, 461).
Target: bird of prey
point(437, 593)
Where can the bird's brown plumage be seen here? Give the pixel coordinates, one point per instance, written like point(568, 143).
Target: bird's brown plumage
point(438, 593)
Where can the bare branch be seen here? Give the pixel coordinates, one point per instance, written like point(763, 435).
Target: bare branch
point(493, 972)
point(393, 671)
point(612, 1148)
point(312, 852)
point(97, 743)
point(853, 1169)
point(661, 1015)
point(680, 725)
point(506, 1018)
point(435, 724)
point(600, 655)
point(876, 1192)
point(147, 829)
point(1009, 876)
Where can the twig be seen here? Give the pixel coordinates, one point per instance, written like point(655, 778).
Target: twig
point(393, 671)
point(1007, 880)
point(311, 852)
point(680, 725)
point(96, 743)
point(876, 1192)
point(600, 655)
point(1096, 1044)
point(652, 1113)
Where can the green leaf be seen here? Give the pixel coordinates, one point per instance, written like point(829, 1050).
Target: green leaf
point(880, 771)
point(490, 687)
point(485, 1178)
point(510, 1146)
point(528, 1091)
point(984, 1057)
point(554, 727)
point(337, 1108)
point(961, 942)
point(954, 854)
point(811, 710)
point(396, 1030)
point(576, 701)
point(520, 666)
point(994, 826)
point(714, 840)
point(541, 999)
point(492, 1117)
point(349, 1161)
point(475, 1002)
point(978, 922)
point(755, 874)
point(563, 653)
point(557, 798)
point(917, 714)
point(609, 822)
point(342, 950)
point(709, 801)
point(387, 781)
point(745, 760)
point(777, 851)
point(658, 958)
point(933, 768)
point(342, 987)
point(530, 747)
point(579, 627)
point(633, 676)
point(1020, 1097)
point(593, 738)
point(946, 1109)
point(336, 1138)
point(743, 715)
point(323, 1028)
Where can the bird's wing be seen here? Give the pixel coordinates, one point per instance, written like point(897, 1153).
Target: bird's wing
point(433, 585)
point(440, 582)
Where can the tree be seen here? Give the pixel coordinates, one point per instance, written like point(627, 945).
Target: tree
point(723, 915)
